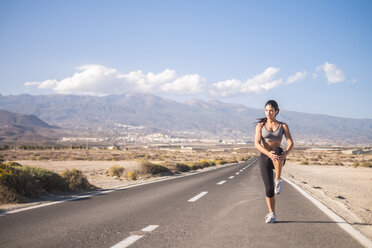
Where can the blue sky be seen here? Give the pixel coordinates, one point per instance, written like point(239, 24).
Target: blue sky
point(310, 56)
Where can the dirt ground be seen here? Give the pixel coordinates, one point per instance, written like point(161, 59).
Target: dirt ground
point(345, 190)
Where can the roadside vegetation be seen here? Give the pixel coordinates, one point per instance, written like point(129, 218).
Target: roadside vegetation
point(18, 183)
point(148, 169)
point(330, 158)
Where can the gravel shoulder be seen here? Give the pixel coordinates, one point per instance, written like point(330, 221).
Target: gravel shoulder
point(345, 190)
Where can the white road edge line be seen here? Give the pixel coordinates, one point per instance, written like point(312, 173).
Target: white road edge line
point(133, 238)
point(222, 182)
point(340, 221)
point(197, 197)
point(231, 177)
point(111, 190)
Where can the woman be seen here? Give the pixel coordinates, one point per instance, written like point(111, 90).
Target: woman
point(269, 133)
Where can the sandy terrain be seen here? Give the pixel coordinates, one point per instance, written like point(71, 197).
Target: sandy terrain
point(345, 190)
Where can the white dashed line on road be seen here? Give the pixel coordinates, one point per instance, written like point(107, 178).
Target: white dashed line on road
point(231, 177)
point(222, 182)
point(237, 173)
point(197, 197)
point(133, 238)
point(150, 228)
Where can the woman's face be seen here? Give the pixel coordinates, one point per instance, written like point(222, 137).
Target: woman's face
point(270, 112)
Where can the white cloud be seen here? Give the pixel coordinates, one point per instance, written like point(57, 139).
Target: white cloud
point(296, 77)
point(100, 80)
point(261, 82)
point(333, 74)
point(190, 84)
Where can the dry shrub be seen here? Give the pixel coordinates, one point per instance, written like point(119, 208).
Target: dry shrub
point(115, 170)
point(12, 163)
point(149, 168)
point(76, 180)
point(206, 163)
point(221, 162)
point(181, 167)
point(176, 168)
point(233, 160)
point(132, 175)
point(195, 166)
point(10, 196)
point(365, 164)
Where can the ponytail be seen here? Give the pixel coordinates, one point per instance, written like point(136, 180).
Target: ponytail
point(261, 120)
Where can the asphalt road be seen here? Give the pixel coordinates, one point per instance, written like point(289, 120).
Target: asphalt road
point(230, 214)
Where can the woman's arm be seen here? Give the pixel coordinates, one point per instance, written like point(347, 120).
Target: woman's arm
point(290, 143)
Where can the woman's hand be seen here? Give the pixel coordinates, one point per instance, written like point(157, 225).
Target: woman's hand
point(273, 156)
point(283, 156)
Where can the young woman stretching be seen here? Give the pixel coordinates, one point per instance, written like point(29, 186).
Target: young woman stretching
point(269, 133)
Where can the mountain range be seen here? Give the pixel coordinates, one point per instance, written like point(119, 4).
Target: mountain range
point(212, 119)
point(16, 127)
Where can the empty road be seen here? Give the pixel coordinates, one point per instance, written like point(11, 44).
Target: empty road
point(224, 207)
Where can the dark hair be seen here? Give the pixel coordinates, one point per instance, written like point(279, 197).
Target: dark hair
point(273, 104)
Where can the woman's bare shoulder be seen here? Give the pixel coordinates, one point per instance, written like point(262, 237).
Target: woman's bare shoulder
point(285, 125)
point(259, 125)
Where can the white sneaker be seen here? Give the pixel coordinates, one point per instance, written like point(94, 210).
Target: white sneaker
point(270, 218)
point(278, 186)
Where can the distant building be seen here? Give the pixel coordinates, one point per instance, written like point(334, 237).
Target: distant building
point(357, 151)
point(113, 148)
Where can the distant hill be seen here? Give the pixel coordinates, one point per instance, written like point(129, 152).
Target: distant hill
point(213, 119)
point(16, 127)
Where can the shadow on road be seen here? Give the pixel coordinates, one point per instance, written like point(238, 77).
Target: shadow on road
point(309, 221)
point(325, 222)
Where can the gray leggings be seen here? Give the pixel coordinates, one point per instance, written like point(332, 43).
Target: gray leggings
point(266, 168)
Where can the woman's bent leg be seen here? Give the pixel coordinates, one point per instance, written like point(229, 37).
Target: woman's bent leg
point(278, 164)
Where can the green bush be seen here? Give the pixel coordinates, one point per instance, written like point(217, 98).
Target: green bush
point(304, 162)
point(48, 180)
point(116, 170)
point(19, 180)
point(76, 180)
